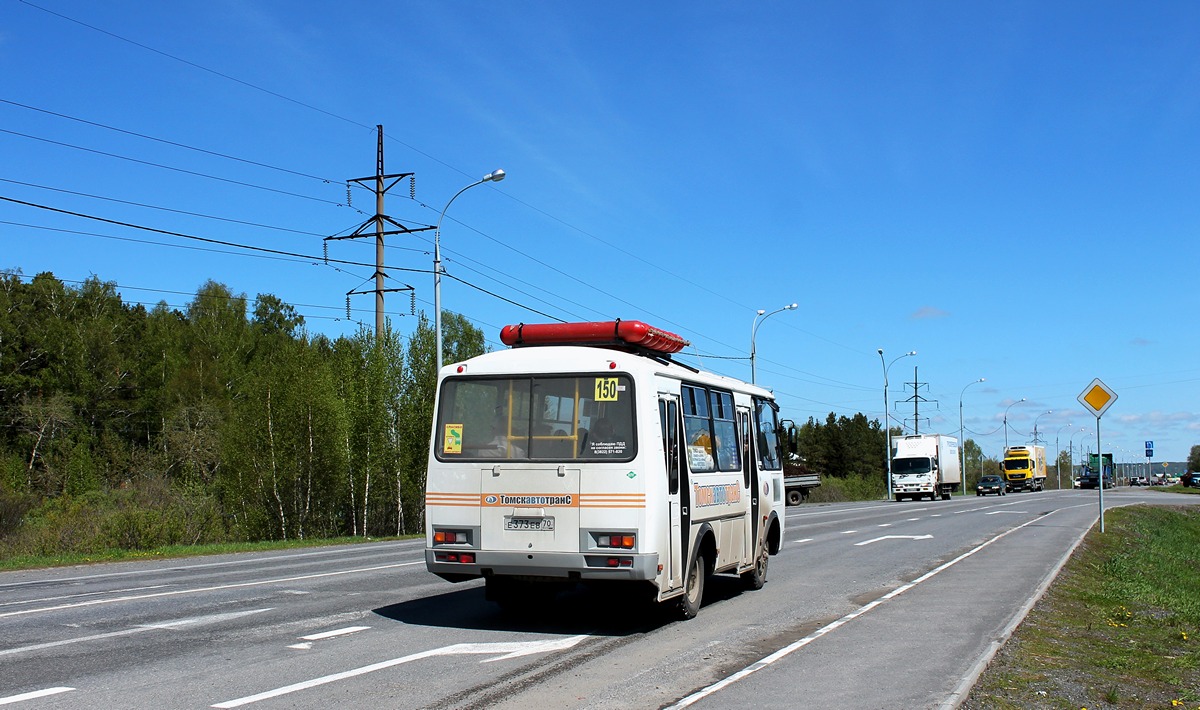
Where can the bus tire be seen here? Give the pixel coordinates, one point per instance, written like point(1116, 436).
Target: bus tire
point(693, 589)
point(757, 577)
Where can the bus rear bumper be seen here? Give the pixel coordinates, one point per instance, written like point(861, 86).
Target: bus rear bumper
point(564, 566)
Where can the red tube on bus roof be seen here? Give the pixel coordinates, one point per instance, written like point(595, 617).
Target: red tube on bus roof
point(618, 332)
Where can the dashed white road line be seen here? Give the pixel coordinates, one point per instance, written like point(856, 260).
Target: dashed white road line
point(34, 695)
point(336, 632)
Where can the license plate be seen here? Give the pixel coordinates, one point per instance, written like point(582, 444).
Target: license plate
point(511, 523)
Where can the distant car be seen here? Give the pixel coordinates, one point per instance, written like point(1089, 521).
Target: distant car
point(1138, 481)
point(990, 484)
point(1190, 480)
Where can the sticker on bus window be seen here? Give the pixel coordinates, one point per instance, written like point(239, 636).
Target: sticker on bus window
point(452, 441)
point(606, 389)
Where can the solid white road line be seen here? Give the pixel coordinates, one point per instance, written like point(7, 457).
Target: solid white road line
point(507, 649)
point(193, 621)
point(796, 646)
point(219, 587)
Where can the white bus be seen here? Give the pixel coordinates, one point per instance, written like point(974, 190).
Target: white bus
point(585, 453)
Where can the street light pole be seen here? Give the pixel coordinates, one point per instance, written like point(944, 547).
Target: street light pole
point(886, 416)
point(1071, 452)
point(1058, 455)
point(962, 450)
point(1006, 424)
point(1035, 421)
point(495, 176)
point(754, 332)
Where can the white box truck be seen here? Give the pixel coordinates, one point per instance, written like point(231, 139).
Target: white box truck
point(925, 465)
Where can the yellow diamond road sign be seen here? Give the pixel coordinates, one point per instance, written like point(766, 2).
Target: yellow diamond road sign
point(1097, 397)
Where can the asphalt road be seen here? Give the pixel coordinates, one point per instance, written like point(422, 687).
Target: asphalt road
point(870, 605)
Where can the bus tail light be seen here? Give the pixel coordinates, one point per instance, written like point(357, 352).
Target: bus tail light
point(450, 537)
point(622, 541)
point(463, 557)
point(619, 562)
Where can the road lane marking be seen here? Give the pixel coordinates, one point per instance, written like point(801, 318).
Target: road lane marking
point(373, 547)
point(42, 600)
point(894, 537)
point(849, 532)
point(219, 587)
point(791, 648)
point(193, 621)
point(885, 525)
point(807, 539)
point(511, 649)
point(336, 632)
point(34, 695)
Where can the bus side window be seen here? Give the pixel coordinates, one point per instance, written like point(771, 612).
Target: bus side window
point(669, 420)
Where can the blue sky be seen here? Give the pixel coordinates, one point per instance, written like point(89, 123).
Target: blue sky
point(1010, 189)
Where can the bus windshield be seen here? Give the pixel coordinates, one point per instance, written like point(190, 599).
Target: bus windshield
point(536, 418)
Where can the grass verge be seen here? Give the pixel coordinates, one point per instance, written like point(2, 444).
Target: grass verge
point(1118, 628)
point(175, 551)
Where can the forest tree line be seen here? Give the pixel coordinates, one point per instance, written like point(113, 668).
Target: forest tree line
point(129, 427)
point(226, 420)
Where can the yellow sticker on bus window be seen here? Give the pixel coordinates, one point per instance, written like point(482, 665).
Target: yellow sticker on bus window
point(606, 389)
point(452, 441)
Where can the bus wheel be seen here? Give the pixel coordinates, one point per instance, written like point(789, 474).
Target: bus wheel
point(693, 589)
point(757, 577)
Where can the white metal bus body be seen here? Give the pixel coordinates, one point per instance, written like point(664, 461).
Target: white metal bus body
point(562, 463)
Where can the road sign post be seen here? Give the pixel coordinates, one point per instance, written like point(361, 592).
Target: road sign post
point(1098, 397)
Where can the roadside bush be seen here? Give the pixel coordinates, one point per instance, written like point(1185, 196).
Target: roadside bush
point(142, 516)
point(853, 487)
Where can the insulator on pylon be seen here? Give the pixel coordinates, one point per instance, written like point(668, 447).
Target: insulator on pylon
point(348, 204)
point(347, 306)
point(412, 302)
point(325, 244)
point(412, 187)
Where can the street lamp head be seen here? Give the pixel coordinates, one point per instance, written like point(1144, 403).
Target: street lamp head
point(982, 379)
point(792, 307)
point(495, 176)
point(761, 311)
point(880, 351)
point(911, 352)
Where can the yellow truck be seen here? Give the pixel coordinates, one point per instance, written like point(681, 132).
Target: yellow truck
point(1025, 468)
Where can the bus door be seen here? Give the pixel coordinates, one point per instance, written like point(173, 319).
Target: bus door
point(750, 482)
point(678, 519)
point(529, 507)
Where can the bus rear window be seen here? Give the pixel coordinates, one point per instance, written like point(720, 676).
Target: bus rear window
point(529, 418)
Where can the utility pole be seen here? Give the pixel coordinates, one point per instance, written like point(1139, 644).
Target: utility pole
point(916, 399)
point(378, 220)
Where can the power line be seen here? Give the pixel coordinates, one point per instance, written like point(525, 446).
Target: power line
point(721, 295)
point(178, 170)
point(169, 142)
point(162, 209)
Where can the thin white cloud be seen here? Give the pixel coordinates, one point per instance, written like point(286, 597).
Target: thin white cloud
point(926, 312)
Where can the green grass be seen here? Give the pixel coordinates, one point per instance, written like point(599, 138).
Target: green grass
point(175, 551)
point(1119, 628)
